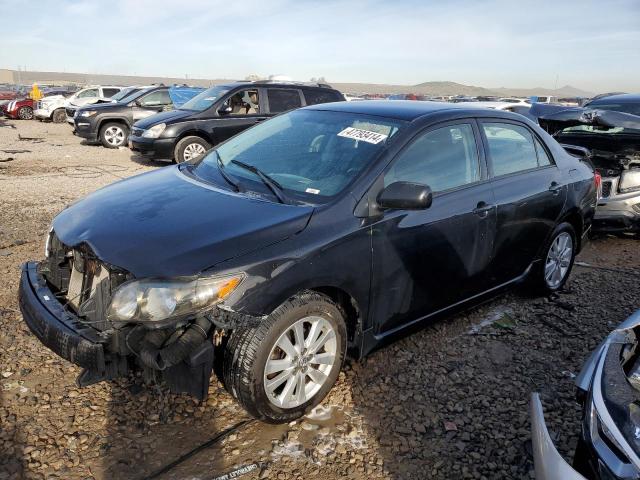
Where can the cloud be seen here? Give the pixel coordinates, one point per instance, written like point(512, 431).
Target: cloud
point(491, 43)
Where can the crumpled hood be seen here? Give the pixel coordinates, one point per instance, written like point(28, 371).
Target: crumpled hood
point(165, 224)
point(163, 117)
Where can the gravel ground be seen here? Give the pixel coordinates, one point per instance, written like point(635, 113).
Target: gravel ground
point(449, 401)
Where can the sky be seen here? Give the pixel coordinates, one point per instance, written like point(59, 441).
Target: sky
point(593, 45)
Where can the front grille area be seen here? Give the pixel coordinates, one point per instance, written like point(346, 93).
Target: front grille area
point(70, 111)
point(606, 189)
point(81, 282)
point(137, 132)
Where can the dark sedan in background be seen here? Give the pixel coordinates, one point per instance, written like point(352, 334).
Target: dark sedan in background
point(326, 230)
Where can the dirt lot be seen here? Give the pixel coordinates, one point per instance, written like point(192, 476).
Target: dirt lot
point(450, 401)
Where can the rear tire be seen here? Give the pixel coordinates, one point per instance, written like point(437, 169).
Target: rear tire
point(556, 261)
point(190, 148)
point(59, 116)
point(25, 113)
point(114, 135)
point(265, 379)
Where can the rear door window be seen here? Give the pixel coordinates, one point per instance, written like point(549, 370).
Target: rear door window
point(543, 156)
point(314, 97)
point(283, 99)
point(511, 148)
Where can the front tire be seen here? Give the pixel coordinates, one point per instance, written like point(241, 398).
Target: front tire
point(557, 260)
point(25, 113)
point(59, 116)
point(190, 148)
point(286, 365)
point(114, 135)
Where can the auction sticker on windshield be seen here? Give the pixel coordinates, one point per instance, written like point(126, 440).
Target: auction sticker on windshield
point(364, 135)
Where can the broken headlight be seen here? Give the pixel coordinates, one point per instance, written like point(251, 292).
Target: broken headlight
point(157, 302)
point(629, 181)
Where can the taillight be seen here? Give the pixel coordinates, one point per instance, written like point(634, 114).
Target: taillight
point(597, 181)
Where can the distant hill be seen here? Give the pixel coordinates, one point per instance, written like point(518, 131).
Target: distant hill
point(426, 88)
point(453, 88)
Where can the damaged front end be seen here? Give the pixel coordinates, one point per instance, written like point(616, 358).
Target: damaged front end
point(610, 443)
point(101, 318)
point(610, 142)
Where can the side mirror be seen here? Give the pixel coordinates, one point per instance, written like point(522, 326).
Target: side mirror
point(225, 109)
point(405, 196)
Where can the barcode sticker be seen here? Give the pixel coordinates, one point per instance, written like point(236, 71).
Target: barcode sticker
point(364, 135)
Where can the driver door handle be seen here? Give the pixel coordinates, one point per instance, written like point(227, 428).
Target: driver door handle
point(555, 188)
point(482, 209)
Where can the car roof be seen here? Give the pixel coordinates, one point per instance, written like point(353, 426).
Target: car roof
point(620, 98)
point(399, 109)
point(267, 84)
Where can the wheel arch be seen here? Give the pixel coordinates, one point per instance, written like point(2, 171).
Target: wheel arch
point(573, 218)
point(102, 122)
point(192, 132)
point(352, 311)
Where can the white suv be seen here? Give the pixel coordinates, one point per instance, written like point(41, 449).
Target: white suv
point(88, 95)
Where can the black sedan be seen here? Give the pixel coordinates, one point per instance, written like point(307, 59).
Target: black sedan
point(323, 231)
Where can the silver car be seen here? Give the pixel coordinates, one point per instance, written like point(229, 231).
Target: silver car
point(609, 387)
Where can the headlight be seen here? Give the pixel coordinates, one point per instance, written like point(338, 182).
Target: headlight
point(47, 244)
point(87, 113)
point(153, 302)
point(155, 131)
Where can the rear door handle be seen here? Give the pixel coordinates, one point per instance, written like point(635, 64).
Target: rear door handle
point(555, 188)
point(482, 209)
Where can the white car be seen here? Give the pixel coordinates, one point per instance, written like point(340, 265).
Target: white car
point(87, 96)
point(521, 101)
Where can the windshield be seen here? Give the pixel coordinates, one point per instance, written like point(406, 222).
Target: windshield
point(135, 93)
point(205, 99)
point(311, 154)
point(125, 92)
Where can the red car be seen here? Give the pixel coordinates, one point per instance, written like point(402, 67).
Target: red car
point(19, 109)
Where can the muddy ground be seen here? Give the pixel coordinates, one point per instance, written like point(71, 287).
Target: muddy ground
point(450, 401)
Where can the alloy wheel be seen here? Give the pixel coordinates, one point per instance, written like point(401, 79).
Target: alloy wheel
point(300, 362)
point(25, 113)
point(114, 136)
point(192, 151)
point(558, 260)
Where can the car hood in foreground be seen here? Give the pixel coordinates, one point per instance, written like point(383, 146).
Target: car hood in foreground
point(163, 117)
point(164, 224)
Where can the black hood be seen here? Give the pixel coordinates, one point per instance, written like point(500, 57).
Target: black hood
point(164, 223)
point(163, 117)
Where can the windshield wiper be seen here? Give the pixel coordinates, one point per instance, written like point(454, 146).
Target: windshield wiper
point(234, 183)
point(274, 186)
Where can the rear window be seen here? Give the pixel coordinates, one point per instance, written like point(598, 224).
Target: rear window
point(281, 100)
point(313, 97)
point(632, 108)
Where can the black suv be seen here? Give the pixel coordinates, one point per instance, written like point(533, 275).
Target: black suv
point(218, 114)
point(110, 123)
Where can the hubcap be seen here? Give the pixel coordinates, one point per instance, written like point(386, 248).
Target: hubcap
point(114, 136)
point(192, 151)
point(558, 260)
point(26, 114)
point(300, 362)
